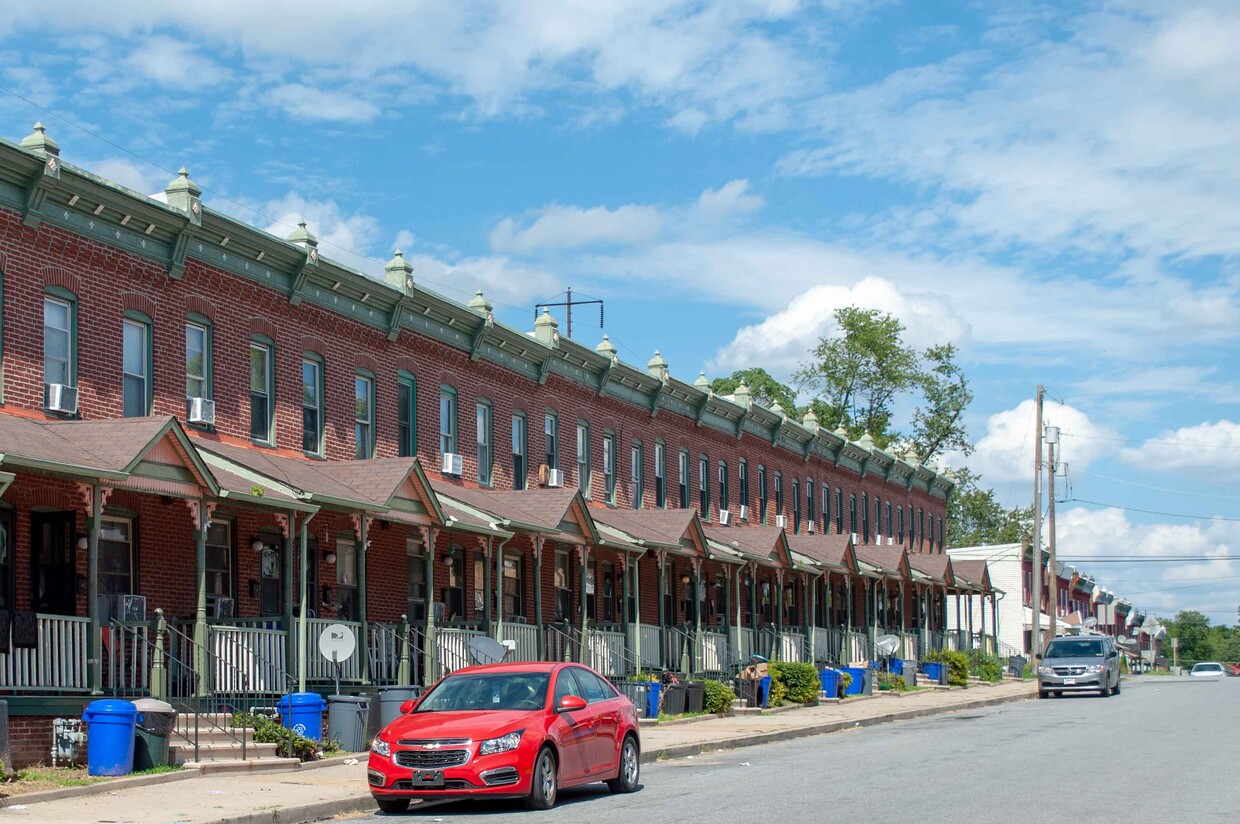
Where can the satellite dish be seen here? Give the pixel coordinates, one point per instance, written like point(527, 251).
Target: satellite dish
point(337, 643)
point(486, 650)
point(887, 644)
point(1129, 644)
point(510, 644)
point(1091, 622)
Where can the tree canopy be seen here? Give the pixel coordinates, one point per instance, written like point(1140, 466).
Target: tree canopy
point(1199, 641)
point(764, 390)
point(975, 518)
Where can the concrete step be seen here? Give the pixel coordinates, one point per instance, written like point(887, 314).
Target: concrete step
point(238, 766)
point(212, 735)
point(217, 751)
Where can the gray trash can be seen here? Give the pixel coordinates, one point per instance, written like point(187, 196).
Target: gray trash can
point(390, 699)
point(909, 669)
point(151, 735)
point(346, 721)
point(1016, 665)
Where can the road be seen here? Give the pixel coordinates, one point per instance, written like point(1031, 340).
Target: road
point(1162, 751)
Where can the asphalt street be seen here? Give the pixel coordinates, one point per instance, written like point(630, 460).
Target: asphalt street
point(1163, 751)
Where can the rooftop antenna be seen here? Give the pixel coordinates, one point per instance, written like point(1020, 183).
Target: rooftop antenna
point(569, 303)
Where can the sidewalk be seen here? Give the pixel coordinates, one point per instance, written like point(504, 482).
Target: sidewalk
point(322, 792)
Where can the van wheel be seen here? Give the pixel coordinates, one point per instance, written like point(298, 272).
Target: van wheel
point(545, 784)
point(393, 806)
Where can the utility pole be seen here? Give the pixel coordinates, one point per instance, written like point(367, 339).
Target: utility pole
point(1052, 440)
point(569, 303)
point(1035, 635)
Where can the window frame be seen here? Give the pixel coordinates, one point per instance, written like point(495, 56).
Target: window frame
point(519, 430)
point(811, 514)
point(364, 451)
point(130, 519)
point(704, 486)
point(448, 441)
point(65, 298)
point(313, 360)
point(762, 496)
point(637, 474)
point(551, 438)
point(682, 466)
point(230, 552)
point(742, 472)
point(852, 513)
point(660, 474)
point(146, 328)
point(584, 469)
point(609, 467)
point(779, 493)
point(865, 518)
point(406, 426)
point(796, 506)
point(264, 344)
point(723, 486)
point(484, 437)
point(202, 324)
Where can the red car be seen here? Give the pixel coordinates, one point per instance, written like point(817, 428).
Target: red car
point(507, 730)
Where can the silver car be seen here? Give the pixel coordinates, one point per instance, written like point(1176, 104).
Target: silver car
point(1085, 663)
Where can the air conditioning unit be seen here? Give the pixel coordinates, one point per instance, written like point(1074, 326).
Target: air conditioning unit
point(890, 541)
point(809, 527)
point(854, 537)
point(555, 477)
point(725, 517)
point(451, 463)
point(202, 411)
point(878, 540)
point(61, 398)
point(781, 521)
point(744, 513)
point(224, 608)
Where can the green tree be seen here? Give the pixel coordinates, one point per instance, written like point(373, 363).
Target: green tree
point(975, 518)
point(938, 424)
point(1193, 630)
point(764, 390)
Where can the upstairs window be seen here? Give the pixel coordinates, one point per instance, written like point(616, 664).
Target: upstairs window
point(684, 479)
point(743, 469)
point(762, 494)
point(482, 415)
point(261, 408)
point(839, 511)
point(723, 484)
point(583, 458)
point(826, 509)
point(865, 520)
point(136, 366)
point(519, 465)
point(364, 416)
point(878, 519)
point(779, 494)
point(447, 420)
point(609, 467)
point(636, 461)
point(312, 406)
point(704, 487)
point(852, 514)
point(59, 346)
point(887, 507)
point(660, 474)
point(810, 514)
point(796, 506)
point(406, 417)
point(551, 429)
point(197, 360)
point(900, 525)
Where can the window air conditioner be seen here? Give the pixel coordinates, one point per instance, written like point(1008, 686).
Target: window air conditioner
point(224, 608)
point(62, 398)
point(781, 521)
point(555, 477)
point(451, 463)
point(854, 537)
point(890, 541)
point(878, 540)
point(725, 517)
point(809, 527)
point(744, 513)
point(202, 411)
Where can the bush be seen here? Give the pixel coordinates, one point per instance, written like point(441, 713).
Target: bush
point(801, 682)
point(779, 693)
point(891, 682)
point(985, 666)
point(718, 699)
point(957, 665)
point(845, 681)
point(288, 743)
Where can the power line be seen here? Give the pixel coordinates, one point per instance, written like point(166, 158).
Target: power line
point(1160, 488)
point(1149, 559)
point(1156, 512)
point(1150, 440)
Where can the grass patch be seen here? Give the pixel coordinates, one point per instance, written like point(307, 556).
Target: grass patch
point(38, 779)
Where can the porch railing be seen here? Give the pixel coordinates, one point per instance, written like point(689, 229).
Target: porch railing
point(452, 647)
point(652, 647)
point(526, 638)
point(717, 657)
point(606, 652)
point(319, 668)
point(748, 643)
point(791, 645)
point(248, 659)
point(57, 663)
point(385, 653)
point(677, 649)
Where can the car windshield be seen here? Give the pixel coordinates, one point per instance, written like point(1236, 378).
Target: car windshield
point(1074, 649)
point(1208, 668)
point(488, 691)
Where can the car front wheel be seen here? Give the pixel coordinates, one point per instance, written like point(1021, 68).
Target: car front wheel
point(630, 768)
point(393, 806)
point(545, 785)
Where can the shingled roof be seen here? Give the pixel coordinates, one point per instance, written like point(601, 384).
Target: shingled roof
point(834, 552)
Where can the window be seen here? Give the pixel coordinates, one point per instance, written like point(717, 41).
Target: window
point(116, 561)
point(219, 562)
point(583, 458)
point(779, 494)
point(865, 520)
point(519, 467)
point(609, 468)
point(887, 507)
point(723, 484)
point(852, 514)
point(684, 479)
point(514, 586)
point(761, 494)
point(483, 416)
point(551, 428)
point(563, 582)
point(940, 531)
point(878, 520)
point(261, 410)
point(364, 416)
point(197, 360)
point(636, 460)
point(900, 525)
point(704, 487)
point(415, 580)
point(346, 578)
point(826, 509)
point(454, 592)
point(921, 527)
point(660, 474)
point(796, 506)
point(447, 420)
point(136, 368)
point(312, 406)
point(810, 514)
point(743, 470)
point(406, 417)
point(839, 511)
point(59, 349)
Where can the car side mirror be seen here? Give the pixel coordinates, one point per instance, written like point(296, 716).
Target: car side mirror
point(406, 707)
point(571, 703)
point(1037, 657)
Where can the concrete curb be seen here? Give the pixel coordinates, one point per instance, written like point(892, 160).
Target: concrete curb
point(303, 813)
point(96, 789)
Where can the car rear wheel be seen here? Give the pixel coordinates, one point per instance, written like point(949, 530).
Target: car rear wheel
point(545, 785)
point(1044, 694)
point(1116, 690)
point(630, 768)
point(393, 806)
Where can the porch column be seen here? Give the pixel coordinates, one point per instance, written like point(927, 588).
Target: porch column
point(585, 616)
point(982, 603)
point(487, 614)
point(363, 635)
point(430, 669)
point(94, 662)
point(927, 602)
point(290, 533)
point(633, 614)
point(538, 588)
point(200, 604)
point(699, 598)
point(303, 605)
point(873, 612)
point(994, 618)
point(779, 601)
point(810, 617)
point(499, 591)
point(734, 632)
point(959, 621)
point(661, 562)
point(970, 646)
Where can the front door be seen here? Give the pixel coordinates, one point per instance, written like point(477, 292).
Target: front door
point(8, 577)
point(53, 553)
point(271, 589)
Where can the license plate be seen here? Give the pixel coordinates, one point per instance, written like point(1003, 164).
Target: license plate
point(432, 779)
point(1069, 682)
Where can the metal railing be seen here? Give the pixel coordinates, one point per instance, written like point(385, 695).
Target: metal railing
point(651, 647)
point(452, 647)
point(385, 651)
point(318, 668)
point(57, 662)
point(526, 638)
point(605, 652)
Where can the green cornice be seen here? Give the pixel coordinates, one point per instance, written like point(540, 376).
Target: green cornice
point(112, 215)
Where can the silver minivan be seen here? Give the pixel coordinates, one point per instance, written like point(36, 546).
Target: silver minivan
point(1079, 663)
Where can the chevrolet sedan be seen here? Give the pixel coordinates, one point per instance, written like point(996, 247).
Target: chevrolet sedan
point(507, 730)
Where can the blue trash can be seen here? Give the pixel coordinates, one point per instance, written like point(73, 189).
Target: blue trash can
point(897, 666)
point(652, 699)
point(302, 712)
point(934, 672)
point(110, 736)
point(855, 686)
point(830, 682)
point(766, 690)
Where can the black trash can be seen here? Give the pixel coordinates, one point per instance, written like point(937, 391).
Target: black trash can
point(749, 690)
point(1016, 665)
point(390, 699)
point(675, 699)
point(346, 721)
point(695, 699)
point(151, 735)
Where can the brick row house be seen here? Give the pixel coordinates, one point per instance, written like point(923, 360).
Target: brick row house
point(214, 442)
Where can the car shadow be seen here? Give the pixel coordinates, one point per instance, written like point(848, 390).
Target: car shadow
point(477, 806)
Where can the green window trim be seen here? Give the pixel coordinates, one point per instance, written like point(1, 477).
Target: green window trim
point(448, 413)
point(551, 437)
point(484, 420)
point(584, 468)
point(407, 423)
point(70, 302)
point(312, 442)
point(262, 342)
point(364, 439)
point(203, 323)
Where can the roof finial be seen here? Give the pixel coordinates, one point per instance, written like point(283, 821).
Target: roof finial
point(657, 366)
point(40, 142)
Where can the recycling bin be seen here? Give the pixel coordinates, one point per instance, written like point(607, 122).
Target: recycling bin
point(695, 697)
point(870, 680)
point(302, 712)
point(110, 727)
point(151, 745)
point(346, 721)
point(857, 683)
point(652, 699)
point(677, 698)
point(390, 699)
point(766, 690)
point(830, 682)
point(896, 666)
point(749, 690)
point(935, 672)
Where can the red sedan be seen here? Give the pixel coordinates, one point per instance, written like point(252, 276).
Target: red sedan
point(507, 730)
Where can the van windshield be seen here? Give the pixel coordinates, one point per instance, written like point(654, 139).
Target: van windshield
point(1074, 649)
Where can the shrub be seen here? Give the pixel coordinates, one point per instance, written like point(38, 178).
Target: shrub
point(719, 698)
point(779, 693)
point(801, 682)
point(288, 743)
point(985, 666)
point(957, 665)
point(891, 682)
point(845, 681)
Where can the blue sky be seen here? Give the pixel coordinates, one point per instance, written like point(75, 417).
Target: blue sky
point(1049, 186)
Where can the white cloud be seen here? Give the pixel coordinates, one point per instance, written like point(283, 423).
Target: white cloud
point(781, 342)
point(140, 177)
point(174, 63)
point(730, 198)
point(502, 280)
point(310, 103)
point(1209, 449)
point(1005, 452)
point(566, 227)
point(341, 235)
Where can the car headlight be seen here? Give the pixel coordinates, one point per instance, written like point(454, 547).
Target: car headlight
point(380, 747)
point(1046, 670)
point(504, 743)
point(1095, 668)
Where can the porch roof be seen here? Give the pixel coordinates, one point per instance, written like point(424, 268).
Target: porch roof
point(308, 480)
point(972, 575)
point(552, 512)
point(832, 552)
point(884, 561)
point(936, 568)
point(677, 530)
point(766, 545)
